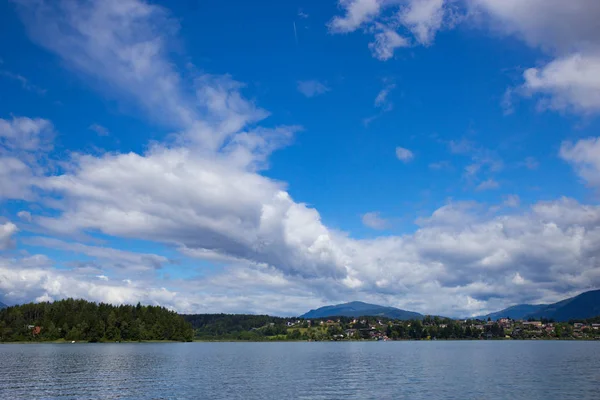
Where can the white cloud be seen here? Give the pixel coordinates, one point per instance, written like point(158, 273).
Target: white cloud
point(424, 18)
point(201, 193)
point(312, 88)
point(584, 155)
point(404, 154)
point(119, 45)
point(374, 220)
point(386, 42)
point(118, 258)
point(23, 141)
point(555, 25)
point(420, 18)
point(568, 30)
point(357, 13)
point(488, 184)
point(25, 134)
point(7, 230)
point(570, 83)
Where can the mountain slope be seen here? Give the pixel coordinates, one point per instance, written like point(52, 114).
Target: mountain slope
point(2, 305)
point(519, 311)
point(585, 305)
point(359, 309)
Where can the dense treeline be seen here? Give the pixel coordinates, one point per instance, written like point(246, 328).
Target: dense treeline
point(264, 327)
point(594, 320)
point(236, 326)
point(80, 320)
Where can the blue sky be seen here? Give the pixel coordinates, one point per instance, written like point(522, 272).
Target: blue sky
point(436, 155)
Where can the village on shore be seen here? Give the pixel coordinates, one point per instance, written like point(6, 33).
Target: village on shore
point(434, 328)
point(265, 328)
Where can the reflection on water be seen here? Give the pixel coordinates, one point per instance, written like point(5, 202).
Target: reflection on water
point(355, 370)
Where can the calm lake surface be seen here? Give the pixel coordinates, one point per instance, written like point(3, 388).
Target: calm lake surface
point(346, 370)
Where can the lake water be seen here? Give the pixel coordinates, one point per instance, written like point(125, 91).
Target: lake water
point(335, 370)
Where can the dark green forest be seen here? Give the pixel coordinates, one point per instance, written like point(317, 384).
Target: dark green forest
point(81, 320)
point(236, 326)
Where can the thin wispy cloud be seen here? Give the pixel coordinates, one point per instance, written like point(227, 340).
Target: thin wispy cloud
point(99, 129)
point(312, 88)
point(25, 83)
point(382, 102)
point(374, 220)
point(488, 184)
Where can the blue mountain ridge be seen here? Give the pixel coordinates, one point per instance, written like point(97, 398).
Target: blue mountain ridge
point(2, 305)
point(360, 309)
point(585, 305)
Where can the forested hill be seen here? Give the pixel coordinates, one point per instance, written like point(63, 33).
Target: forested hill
point(236, 326)
point(81, 320)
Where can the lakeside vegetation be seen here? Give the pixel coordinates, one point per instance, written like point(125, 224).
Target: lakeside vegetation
point(81, 320)
point(236, 327)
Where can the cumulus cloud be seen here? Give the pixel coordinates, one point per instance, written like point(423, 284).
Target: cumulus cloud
point(312, 88)
point(25, 134)
point(420, 18)
point(568, 30)
point(404, 154)
point(569, 83)
point(201, 193)
point(356, 13)
point(22, 142)
point(386, 42)
point(424, 18)
point(7, 230)
point(555, 25)
point(584, 155)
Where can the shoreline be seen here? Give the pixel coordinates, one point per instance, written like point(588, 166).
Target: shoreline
point(300, 341)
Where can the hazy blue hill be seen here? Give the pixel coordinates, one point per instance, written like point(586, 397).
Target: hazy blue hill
point(2, 305)
point(519, 311)
point(585, 305)
point(359, 309)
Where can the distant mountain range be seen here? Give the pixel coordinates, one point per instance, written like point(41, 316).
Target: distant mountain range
point(2, 305)
point(360, 309)
point(585, 305)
